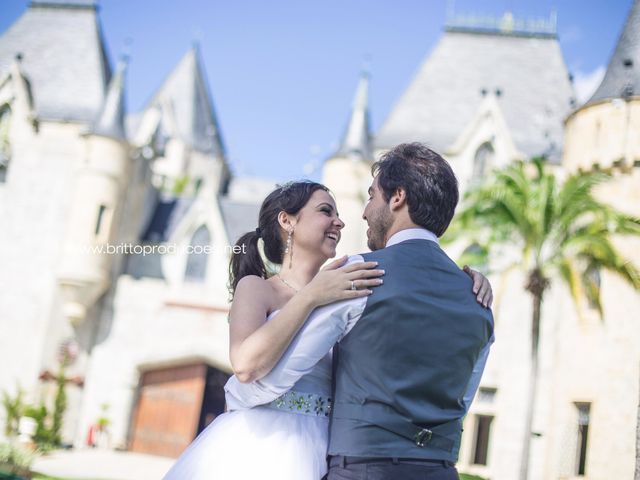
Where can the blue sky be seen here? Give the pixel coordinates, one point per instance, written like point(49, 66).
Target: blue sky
point(283, 73)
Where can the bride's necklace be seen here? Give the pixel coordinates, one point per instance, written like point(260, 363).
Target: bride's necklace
point(287, 283)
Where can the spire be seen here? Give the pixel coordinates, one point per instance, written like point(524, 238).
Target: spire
point(110, 120)
point(22, 85)
point(622, 78)
point(357, 136)
point(186, 92)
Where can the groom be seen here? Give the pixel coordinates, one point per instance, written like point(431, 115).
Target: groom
point(408, 370)
point(410, 356)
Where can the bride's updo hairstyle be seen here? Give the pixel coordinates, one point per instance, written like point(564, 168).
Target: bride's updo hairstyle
point(290, 198)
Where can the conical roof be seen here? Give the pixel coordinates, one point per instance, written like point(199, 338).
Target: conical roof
point(110, 121)
point(622, 78)
point(186, 94)
point(63, 55)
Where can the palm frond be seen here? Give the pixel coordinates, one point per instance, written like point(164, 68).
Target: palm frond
point(475, 255)
point(572, 278)
point(556, 225)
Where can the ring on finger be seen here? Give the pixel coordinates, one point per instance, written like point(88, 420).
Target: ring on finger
point(353, 285)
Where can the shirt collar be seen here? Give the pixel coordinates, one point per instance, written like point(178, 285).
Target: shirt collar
point(411, 234)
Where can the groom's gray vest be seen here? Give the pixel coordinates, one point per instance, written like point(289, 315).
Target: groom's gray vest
point(402, 371)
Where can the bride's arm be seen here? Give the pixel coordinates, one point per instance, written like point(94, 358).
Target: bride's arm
point(325, 326)
point(256, 345)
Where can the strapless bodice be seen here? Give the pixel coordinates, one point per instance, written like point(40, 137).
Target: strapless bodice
point(317, 381)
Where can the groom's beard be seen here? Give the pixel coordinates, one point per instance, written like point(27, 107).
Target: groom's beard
point(379, 224)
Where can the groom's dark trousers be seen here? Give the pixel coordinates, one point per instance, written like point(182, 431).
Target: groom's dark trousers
point(403, 372)
point(352, 468)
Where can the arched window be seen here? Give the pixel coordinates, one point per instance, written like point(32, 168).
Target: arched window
point(482, 161)
point(5, 147)
point(196, 270)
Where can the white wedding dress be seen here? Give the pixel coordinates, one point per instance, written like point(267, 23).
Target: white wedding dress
point(284, 440)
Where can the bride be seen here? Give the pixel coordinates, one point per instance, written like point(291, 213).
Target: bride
point(287, 438)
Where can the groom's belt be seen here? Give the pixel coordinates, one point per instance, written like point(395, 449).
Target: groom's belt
point(341, 460)
point(388, 419)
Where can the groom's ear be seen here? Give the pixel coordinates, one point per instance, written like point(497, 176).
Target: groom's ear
point(398, 199)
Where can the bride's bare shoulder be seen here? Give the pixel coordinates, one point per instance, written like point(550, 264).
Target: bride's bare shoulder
point(254, 287)
point(252, 302)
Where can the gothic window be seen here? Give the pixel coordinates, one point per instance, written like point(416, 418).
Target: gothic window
point(594, 283)
point(100, 219)
point(482, 161)
point(5, 147)
point(480, 452)
point(583, 410)
point(102, 225)
point(197, 255)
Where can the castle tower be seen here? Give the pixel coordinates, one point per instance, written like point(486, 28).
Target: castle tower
point(176, 290)
point(179, 129)
point(603, 133)
point(181, 126)
point(54, 50)
point(96, 202)
point(348, 172)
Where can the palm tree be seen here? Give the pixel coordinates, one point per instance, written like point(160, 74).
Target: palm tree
point(561, 230)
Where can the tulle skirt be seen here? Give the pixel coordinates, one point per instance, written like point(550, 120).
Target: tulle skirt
point(260, 443)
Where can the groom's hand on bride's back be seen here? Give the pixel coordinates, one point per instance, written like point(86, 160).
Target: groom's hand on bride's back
point(338, 281)
point(481, 287)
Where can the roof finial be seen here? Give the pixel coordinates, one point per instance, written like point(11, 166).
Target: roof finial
point(357, 136)
point(126, 48)
point(196, 39)
point(451, 10)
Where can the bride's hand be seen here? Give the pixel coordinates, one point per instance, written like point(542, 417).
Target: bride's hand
point(481, 287)
point(335, 282)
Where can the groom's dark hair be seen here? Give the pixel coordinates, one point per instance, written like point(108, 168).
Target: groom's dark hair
point(430, 185)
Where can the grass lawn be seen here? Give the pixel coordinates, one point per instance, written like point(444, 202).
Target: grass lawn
point(39, 476)
point(46, 477)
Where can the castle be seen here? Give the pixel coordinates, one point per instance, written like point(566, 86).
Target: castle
point(79, 175)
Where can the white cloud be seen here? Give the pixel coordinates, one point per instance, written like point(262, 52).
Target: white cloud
point(586, 83)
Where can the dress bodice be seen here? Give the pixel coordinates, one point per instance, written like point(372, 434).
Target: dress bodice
point(317, 381)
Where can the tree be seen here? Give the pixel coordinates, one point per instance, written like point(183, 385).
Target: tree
point(560, 230)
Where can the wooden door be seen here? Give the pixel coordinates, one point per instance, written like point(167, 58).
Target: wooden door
point(167, 415)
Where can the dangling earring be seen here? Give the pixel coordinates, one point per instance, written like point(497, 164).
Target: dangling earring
point(289, 248)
